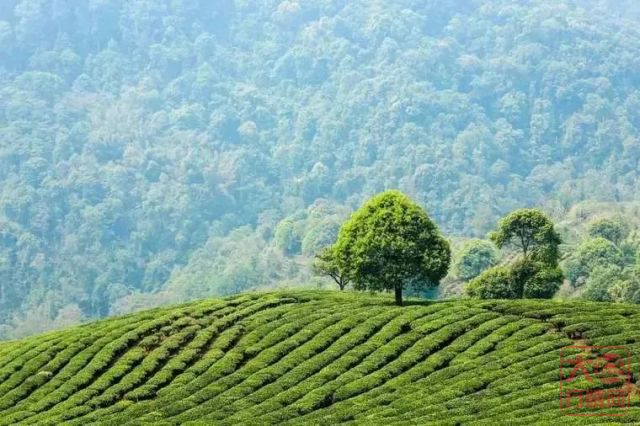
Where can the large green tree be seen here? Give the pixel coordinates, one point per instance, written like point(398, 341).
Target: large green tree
point(391, 243)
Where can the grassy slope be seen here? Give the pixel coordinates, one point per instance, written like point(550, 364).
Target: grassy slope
point(310, 357)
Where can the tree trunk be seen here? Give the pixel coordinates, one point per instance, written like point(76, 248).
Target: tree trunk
point(398, 295)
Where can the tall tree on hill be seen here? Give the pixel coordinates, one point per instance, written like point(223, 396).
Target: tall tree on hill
point(391, 243)
point(530, 232)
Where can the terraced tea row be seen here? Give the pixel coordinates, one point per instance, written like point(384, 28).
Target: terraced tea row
point(311, 358)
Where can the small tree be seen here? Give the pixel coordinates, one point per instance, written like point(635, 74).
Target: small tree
point(325, 264)
point(389, 243)
point(531, 232)
point(474, 257)
point(533, 274)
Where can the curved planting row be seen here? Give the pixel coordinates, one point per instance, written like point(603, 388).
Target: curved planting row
point(312, 358)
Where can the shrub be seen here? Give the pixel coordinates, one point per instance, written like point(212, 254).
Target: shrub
point(494, 283)
point(311, 358)
point(544, 284)
point(523, 278)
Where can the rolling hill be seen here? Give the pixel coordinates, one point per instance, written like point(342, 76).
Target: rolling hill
point(312, 358)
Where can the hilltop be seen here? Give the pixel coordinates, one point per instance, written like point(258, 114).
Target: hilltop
point(311, 358)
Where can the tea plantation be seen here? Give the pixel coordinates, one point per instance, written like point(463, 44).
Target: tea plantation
point(313, 358)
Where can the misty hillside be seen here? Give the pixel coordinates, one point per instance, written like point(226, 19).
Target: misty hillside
point(157, 151)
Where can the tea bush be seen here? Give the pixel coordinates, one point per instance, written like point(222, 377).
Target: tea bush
point(311, 358)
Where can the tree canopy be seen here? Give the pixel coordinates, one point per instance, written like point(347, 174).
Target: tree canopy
point(591, 254)
point(534, 272)
point(390, 243)
point(474, 257)
point(326, 263)
point(614, 230)
point(531, 232)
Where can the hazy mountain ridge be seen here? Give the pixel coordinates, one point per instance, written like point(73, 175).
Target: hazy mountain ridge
point(139, 136)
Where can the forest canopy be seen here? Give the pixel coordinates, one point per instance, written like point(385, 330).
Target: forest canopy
point(164, 150)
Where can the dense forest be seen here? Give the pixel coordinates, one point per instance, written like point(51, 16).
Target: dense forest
point(154, 151)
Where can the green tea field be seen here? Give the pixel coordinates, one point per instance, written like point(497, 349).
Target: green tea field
point(314, 358)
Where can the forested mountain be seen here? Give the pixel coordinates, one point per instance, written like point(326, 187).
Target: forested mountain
point(160, 150)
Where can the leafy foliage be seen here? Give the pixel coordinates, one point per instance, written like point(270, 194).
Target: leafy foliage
point(391, 243)
point(601, 279)
point(534, 273)
point(590, 231)
point(614, 230)
point(543, 284)
point(522, 279)
point(625, 290)
point(149, 149)
point(474, 257)
point(531, 232)
point(309, 358)
point(591, 254)
point(286, 237)
point(494, 283)
point(325, 263)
